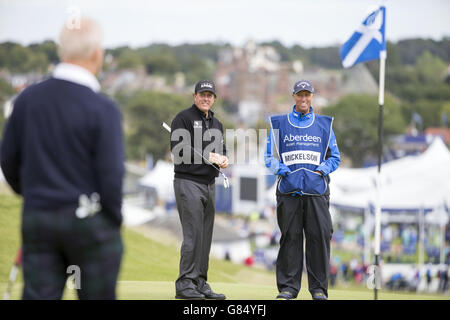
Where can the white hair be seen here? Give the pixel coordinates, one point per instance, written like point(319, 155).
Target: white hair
point(79, 41)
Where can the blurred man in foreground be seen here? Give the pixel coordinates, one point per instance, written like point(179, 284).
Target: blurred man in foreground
point(62, 150)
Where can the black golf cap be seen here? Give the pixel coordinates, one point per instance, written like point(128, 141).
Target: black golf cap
point(303, 85)
point(205, 85)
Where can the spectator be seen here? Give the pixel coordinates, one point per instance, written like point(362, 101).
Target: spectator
point(413, 278)
point(62, 151)
point(445, 289)
point(344, 271)
point(249, 261)
point(443, 278)
point(333, 274)
point(353, 266)
point(428, 276)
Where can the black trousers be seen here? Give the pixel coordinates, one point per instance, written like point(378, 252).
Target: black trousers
point(56, 243)
point(196, 208)
point(308, 216)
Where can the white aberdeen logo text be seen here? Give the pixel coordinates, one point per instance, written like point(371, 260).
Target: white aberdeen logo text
point(306, 137)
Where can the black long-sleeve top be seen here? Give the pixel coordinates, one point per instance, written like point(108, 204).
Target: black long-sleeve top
point(194, 124)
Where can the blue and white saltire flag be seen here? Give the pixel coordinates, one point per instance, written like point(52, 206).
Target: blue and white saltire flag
point(368, 41)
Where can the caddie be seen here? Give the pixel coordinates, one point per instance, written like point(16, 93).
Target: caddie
point(302, 151)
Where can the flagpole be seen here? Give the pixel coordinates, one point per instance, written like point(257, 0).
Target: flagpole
point(368, 43)
point(380, 156)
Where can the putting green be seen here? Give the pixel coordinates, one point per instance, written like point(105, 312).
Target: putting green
point(165, 290)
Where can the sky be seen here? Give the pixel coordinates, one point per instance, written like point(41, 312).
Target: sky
point(137, 23)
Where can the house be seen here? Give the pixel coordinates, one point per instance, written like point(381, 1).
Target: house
point(444, 133)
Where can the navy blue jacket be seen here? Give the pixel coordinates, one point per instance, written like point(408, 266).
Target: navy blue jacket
point(63, 140)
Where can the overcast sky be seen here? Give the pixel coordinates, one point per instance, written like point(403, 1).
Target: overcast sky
point(142, 22)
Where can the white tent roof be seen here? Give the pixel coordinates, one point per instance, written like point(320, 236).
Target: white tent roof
point(409, 183)
point(161, 178)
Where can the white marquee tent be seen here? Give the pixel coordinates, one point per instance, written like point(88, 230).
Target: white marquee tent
point(416, 184)
point(161, 178)
point(411, 183)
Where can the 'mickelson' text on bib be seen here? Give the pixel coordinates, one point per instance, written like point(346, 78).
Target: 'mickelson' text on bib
point(301, 156)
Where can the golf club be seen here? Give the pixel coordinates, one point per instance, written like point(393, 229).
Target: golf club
point(13, 275)
point(226, 183)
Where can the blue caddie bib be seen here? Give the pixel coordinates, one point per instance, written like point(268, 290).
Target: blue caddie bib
point(302, 149)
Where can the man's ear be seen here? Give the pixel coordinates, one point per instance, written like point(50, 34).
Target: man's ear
point(97, 58)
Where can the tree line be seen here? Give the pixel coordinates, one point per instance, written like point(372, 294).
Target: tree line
point(417, 81)
point(166, 59)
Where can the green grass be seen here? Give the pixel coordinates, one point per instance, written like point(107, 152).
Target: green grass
point(10, 212)
point(149, 269)
point(145, 263)
point(164, 290)
point(148, 260)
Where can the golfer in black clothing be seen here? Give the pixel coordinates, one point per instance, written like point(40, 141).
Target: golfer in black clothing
point(194, 185)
